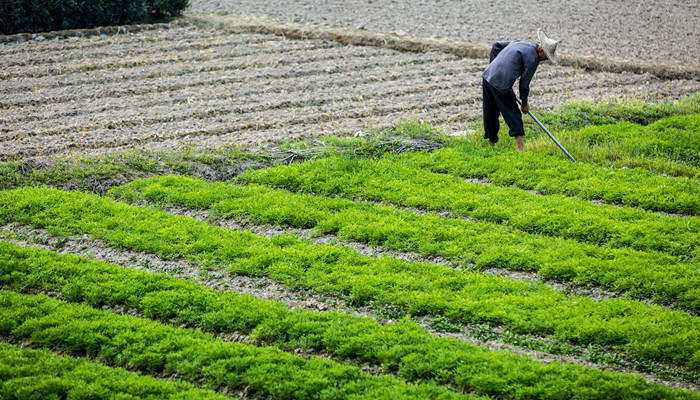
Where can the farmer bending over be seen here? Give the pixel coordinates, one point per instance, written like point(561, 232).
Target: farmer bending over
point(509, 61)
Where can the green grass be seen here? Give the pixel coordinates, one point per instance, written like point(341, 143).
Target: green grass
point(640, 330)
point(403, 348)
point(639, 274)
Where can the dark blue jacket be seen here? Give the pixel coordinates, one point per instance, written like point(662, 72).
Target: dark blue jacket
point(510, 60)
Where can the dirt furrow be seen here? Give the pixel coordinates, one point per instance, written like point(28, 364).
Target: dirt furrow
point(264, 288)
point(75, 56)
point(220, 135)
point(175, 76)
point(224, 52)
point(262, 119)
point(450, 116)
point(229, 103)
point(242, 103)
point(232, 90)
point(231, 121)
point(159, 71)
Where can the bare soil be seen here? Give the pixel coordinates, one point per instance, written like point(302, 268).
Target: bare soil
point(200, 87)
point(647, 30)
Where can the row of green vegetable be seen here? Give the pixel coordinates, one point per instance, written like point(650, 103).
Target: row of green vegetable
point(669, 146)
point(391, 179)
point(640, 330)
point(638, 274)
point(554, 175)
point(40, 374)
point(152, 347)
point(403, 349)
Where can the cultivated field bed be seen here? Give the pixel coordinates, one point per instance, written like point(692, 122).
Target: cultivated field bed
point(358, 274)
point(197, 87)
point(411, 262)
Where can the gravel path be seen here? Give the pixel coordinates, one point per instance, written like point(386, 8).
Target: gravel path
point(199, 87)
point(642, 30)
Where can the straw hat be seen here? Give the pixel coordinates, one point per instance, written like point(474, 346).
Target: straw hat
point(549, 46)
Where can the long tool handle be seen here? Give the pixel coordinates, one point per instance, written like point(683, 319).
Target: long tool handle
point(547, 132)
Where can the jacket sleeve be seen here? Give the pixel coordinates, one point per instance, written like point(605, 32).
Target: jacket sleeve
point(530, 66)
point(496, 48)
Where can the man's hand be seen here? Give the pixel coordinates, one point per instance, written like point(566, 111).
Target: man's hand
point(525, 107)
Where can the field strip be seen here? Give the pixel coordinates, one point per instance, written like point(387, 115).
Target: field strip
point(215, 105)
point(266, 289)
point(683, 184)
point(219, 126)
point(389, 179)
point(142, 85)
point(168, 298)
point(218, 88)
point(224, 90)
point(250, 24)
point(415, 230)
point(24, 370)
point(233, 116)
point(422, 289)
point(444, 117)
point(134, 75)
point(222, 136)
point(162, 47)
point(543, 175)
point(218, 134)
point(192, 356)
point(118, 63)
point(244, 103)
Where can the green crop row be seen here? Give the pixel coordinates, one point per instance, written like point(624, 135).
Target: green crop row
point(402, 348)
point(577, 115)
point(641, 330)
point(154, 348)
point(675, 138)
point(552, 175)
point(40, 374)
point(668, 146)
point(647, 275)
point(390, 179)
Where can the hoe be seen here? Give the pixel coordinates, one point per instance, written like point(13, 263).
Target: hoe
point(547, 132)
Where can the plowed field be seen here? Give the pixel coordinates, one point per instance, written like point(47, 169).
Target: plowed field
point(190, 86)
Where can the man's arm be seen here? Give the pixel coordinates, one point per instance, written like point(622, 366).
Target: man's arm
point(524, 86)
point(496, 48)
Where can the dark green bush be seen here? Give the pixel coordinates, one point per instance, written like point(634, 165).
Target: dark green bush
point(50, 15)
point(166, 8)
point(11, 12)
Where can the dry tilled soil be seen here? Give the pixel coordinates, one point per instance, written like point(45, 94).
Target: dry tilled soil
point(655, 31)
point(200, 87)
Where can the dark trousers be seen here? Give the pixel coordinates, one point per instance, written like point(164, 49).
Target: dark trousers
point(495, 103)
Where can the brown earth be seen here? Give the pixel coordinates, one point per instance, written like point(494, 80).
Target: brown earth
point(202, 87)
point(654, 31)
